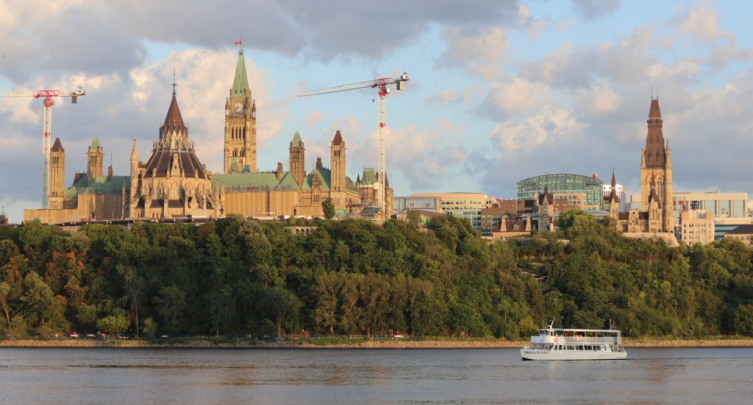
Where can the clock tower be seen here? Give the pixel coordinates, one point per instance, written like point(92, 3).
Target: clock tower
point(240, 123)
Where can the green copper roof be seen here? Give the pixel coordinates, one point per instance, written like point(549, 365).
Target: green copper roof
point(240, 82)
point(324, 179)
point(234, 165)
point(368, 177)
point(100, 185)
point(95, 144)
point(296, 139)
point(255, 181)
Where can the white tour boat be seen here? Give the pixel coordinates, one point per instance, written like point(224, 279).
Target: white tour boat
point(575, 344)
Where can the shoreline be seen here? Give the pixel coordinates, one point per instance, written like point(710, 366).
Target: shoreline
point(382, 344)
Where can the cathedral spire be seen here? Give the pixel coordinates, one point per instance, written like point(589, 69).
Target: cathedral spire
point(240, 81)
point(654, 153)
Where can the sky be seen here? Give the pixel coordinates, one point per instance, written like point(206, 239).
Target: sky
point(499, 90)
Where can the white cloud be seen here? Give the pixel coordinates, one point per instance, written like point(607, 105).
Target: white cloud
point(701, 21)
point(600, 99)
point(514, 96)
point(547, 127)
point(481, 50)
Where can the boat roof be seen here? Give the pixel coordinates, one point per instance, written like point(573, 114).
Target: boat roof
point(582, 330)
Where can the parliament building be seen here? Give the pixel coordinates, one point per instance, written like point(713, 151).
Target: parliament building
point(174, 184)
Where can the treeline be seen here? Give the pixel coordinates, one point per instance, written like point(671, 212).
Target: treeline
point(238, 276)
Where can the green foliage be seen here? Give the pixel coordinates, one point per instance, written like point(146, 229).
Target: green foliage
point(328, 206)
point(238, 276)
point(113, 324)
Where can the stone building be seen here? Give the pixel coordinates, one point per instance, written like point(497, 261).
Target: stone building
point(174, 184)
point(655, 218)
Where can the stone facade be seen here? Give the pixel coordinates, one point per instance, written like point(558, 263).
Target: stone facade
point(656, 216)
point(173, 183)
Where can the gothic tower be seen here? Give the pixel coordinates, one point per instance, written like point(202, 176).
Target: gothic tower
point(240, 123)
point(337, 161)
point(57, 175)
point(297, 159)
point(95, 161)
point(656, 170)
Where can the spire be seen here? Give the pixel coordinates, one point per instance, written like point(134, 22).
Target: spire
point(613, 193)
point(173, 119)
point(614, 181)
point(338, 139)
point(296, 140)
point(134, 152)
point(174, 84)
point(654, 111)
point(95, 145)
point(57, 146)
point(240, 81)
point(654, 153)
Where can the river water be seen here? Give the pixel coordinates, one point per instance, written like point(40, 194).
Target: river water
point(337, 376)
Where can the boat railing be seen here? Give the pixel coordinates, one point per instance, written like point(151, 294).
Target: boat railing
point(592, 339)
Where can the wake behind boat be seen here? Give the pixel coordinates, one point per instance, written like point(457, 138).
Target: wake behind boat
point(575, 344)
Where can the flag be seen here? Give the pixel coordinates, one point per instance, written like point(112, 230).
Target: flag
point(239, 42)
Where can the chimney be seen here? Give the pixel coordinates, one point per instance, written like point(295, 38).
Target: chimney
point(279, 171)
point(109, 172)
point(319, 163)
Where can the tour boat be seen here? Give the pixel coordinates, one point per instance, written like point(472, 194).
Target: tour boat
point(575, 344)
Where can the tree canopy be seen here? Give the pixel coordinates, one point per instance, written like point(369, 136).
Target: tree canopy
point(238, 276)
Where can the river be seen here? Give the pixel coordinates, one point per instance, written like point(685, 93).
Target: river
point(344, 376)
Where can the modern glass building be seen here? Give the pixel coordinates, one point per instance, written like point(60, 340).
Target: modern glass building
point(462, 205)
point(563, 183)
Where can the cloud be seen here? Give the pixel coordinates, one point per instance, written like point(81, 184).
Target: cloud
point(702, 22)
point(481, 50)
point(593, 9)
point(466, 96)
point(547, 127)
point(600, 99)
point(513, 97)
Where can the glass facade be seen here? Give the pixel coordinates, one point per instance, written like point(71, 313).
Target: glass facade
point(591, 186)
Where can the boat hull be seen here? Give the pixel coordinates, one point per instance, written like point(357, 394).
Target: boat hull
point(557, 355)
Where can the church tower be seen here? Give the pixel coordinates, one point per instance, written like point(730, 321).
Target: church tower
point(95, 161)
point(337, 161)
point(240, 123)
point(656, 171)
point(57, 175)
point(297, 159)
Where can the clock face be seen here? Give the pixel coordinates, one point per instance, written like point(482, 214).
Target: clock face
point(238, 107)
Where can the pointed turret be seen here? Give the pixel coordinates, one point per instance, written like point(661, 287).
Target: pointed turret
point(173, 120)
point(654, 153)
point(297, 160)
point(240, 81)
point(134, 161)
point(57, 146)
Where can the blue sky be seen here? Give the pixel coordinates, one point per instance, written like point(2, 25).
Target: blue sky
point(499, 91)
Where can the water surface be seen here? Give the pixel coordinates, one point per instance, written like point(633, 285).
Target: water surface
point(336, 376)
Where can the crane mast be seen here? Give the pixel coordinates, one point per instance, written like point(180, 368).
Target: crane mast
point(46, 96)
point(382, 87)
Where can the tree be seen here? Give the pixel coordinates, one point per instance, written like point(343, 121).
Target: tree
point(329, 208)
point(4, 292)
point(113, 324)
point(133, 285)
point(221, 308)
point(170, 302)
point(40, 304)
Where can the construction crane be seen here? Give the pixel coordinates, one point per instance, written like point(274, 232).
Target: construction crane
point(46, 96)
point(381, 85)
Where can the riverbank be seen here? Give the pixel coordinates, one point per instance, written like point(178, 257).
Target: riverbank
point(366, 344)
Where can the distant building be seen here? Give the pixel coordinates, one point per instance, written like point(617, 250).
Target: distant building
point(743, 233)
point(696, 227)
point(720, 205)
point(403, 204)
point(591, 186)
point(461, 205)
point(724, 225)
